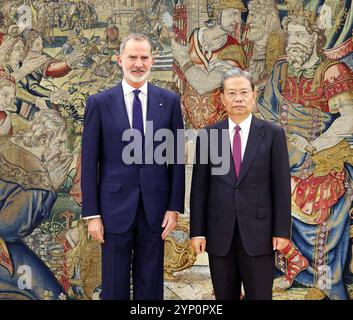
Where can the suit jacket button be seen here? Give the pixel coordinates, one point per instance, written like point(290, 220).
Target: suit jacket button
point(237, 190)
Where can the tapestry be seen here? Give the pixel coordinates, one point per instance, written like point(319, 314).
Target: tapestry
point(55, 53)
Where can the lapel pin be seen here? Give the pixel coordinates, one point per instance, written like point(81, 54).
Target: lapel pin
point(161, 105)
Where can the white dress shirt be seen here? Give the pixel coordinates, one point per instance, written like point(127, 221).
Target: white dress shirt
point(129, 99)
point(244, 132)
point(244, 135)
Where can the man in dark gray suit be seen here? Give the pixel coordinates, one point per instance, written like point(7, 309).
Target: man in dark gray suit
point(242, 215)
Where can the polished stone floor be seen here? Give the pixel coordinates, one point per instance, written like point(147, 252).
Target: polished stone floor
point(195, 284)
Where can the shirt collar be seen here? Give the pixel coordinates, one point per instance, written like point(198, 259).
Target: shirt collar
point(244, 125)
point(127, 89)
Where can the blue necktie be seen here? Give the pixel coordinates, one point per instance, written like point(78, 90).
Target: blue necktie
point(137, 119)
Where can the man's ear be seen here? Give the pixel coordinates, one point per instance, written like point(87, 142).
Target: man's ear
point(255, 94)
point(120, 60)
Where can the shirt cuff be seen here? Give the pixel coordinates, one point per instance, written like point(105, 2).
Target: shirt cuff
point(199, 237)
point(90, 217)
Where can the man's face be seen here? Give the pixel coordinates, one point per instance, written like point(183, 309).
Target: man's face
point(18, 52)
point(238, 97)
point(257, 23)
point(136, 61)
point(230, 18)
point(300, 45)
point(57, 148)
point(7, 95)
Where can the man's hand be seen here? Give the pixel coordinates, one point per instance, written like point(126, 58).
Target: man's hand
point(169, 222)
point(75, 58)
point(279, 243)
point(96, 229)
point(199, 245)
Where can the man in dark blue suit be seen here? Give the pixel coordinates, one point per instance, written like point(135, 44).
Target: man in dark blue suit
point(242, 213)
point(132, 205)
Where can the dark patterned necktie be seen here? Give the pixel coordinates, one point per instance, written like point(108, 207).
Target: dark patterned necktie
point(237, 150)
point(137, 119)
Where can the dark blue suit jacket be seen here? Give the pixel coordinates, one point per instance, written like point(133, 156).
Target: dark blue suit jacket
point(112, 188)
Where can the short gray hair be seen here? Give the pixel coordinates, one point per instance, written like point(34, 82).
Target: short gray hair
point(237, 73)
point(136, 37)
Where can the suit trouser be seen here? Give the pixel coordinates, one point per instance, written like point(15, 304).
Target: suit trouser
point(228, 272)
point(139, 248)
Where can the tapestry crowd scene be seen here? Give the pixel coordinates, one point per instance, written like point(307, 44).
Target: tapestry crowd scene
point(54, 54)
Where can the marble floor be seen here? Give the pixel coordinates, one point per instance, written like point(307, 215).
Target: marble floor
point(195, 284)
point(190, 284)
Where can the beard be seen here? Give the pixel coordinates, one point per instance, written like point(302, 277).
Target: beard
point(230, 28)
point(54, 158)
point(299, 53)
point(128, 74)
point(51, 158)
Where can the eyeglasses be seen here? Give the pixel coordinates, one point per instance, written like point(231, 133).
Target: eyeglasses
point(233, 94)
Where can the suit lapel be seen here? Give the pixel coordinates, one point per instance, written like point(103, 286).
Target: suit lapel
point(255, 137)
point(117, 108)
point(155, 108)
point(155, 105)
